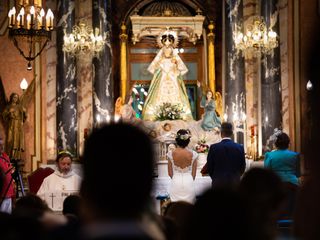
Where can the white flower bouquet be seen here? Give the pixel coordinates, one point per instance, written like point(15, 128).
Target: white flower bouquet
point(168, 111)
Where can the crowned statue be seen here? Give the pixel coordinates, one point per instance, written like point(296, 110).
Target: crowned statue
point(167, 84)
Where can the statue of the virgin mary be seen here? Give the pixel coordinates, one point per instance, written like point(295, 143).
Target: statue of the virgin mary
point(167, 85)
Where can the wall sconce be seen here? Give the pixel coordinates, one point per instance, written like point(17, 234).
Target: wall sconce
point(24, 84)
point(309, 86)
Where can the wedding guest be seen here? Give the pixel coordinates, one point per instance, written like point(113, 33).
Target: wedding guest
point(264, 196)
point(286, 164)
point(219, 213)
point(116, 191)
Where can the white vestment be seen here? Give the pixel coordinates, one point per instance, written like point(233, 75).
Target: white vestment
point(58, 182)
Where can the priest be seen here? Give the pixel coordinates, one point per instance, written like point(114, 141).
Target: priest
point(63, 179)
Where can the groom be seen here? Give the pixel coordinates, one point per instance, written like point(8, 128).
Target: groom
point(226, 159)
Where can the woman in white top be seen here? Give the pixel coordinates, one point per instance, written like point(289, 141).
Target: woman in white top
point(182, 166)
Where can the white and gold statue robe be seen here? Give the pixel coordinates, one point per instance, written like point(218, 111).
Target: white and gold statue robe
point(167, 85)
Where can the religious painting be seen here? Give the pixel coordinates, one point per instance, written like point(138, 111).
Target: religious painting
point(4, 8)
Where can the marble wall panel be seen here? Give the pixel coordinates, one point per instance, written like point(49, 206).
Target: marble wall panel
point(283, 18)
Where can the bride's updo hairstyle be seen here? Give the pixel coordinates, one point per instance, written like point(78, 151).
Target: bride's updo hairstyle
point(183, 138)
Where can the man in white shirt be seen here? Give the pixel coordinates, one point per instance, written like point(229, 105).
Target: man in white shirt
point(63, 179)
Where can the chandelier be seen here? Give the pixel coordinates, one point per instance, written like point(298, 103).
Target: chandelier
point(83, 40)
point(257, 38)
point(28, 23)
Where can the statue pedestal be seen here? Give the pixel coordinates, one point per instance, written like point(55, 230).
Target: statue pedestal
point(163, 168)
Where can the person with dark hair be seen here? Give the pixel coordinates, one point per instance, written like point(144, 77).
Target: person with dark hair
point(264, 195)
point(182, 166)
point(226, 160)
point(283, 161)
point(6, 181)
point(286, 164)
point(30, 205)
point(71, 205)
point(219, 213)
point(62, 179)
point(116, 192)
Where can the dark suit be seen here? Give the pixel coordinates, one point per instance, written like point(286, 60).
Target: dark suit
point(226, 162)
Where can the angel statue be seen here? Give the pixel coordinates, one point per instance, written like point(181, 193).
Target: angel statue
point(167, 85)
point(210, 120)
point(14, 115)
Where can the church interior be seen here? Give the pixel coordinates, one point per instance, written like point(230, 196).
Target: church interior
point(83, 60)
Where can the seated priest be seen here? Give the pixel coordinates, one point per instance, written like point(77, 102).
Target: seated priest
point(62, 182)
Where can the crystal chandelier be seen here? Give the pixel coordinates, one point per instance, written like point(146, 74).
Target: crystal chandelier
point(83, 41)
point(257, 38)
point(28, 23)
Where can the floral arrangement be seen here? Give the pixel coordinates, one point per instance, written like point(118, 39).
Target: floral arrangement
point(201, 146)
point(168, 111)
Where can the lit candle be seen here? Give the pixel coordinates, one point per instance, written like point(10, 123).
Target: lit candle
point(32, 12)
point(41, 16)
point(10, 18)
point(28, 21)
point(21, 17)
point(13, 11)
point(49, 19)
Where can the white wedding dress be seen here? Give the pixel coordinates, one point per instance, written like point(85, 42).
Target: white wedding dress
point(182, 183)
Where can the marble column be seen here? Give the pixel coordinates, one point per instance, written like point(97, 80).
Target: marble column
point(85, 78)
point(271, 110)
point(66, 95)
point(103, 98)
point(234, 86)
point(252, 76)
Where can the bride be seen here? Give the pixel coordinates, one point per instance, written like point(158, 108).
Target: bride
point(167, 85)
point(182, 166)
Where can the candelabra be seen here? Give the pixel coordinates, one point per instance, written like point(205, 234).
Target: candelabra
point(28, 23)
point(83, 41)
